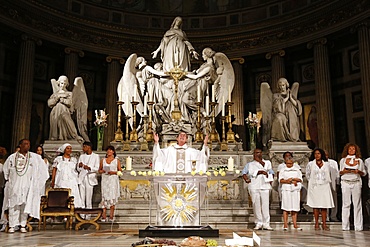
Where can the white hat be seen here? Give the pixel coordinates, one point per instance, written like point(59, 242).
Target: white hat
point(63, 147)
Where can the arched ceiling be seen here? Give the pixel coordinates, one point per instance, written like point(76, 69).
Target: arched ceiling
point(263, 27)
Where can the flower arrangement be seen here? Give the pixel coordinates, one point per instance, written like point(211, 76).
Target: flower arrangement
point(252, 121)
point(101, 118)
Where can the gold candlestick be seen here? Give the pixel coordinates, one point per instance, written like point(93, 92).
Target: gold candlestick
point(176, 74)
point(224, 145)
point(230, 134)
point(149, 132)
point(198, 134)
point(214, 136)
point(126, 144)
point(133, 133)
point(144, 144)
point(118, 135)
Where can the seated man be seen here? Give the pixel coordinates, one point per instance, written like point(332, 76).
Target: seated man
point(179, 158)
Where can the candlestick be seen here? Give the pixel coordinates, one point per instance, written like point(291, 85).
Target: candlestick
point(118, 135)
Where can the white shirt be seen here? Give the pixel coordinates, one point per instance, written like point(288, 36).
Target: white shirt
point(165, 159)
point(93, 161)
point(259, 182)
point(352, 176)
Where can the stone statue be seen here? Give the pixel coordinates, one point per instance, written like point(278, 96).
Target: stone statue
point(63, 104)
point(175, 48)
point(280, 112)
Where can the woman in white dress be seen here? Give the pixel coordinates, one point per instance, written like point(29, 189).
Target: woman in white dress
point(290, 179)
point(65, 174)
point(319, 195)
point(351, 169)
point(110, 166)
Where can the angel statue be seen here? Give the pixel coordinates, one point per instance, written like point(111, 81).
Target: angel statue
point(280, 112)
point(63, 104)
point(218, 72)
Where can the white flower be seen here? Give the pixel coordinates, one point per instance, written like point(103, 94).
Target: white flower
point(193, 173)
point(119, 173)
point(208, 174)
point(133, 173)
point(237, 171)
point(149, 173)
point(201, 172)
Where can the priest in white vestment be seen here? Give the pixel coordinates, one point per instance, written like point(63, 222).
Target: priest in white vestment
point(179, 158)
point(26, 174)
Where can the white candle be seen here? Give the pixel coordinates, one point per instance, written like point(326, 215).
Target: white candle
point(230, 164)
point(150, 90)
point(128, 163)
point(127, 103)
point(213, 93)
point(207, 105)
point(198, 92)
point(223, 106)
point(229, 93)
point(145, 104)
point(135, 92)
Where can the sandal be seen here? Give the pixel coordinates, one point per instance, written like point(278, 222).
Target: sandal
point(317, 228)
point(326, 228)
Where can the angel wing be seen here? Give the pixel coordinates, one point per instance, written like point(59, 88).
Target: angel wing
point(79, 105)
point(266, 107)
point(54, 85)
point(225, 79)
point(126, 88)
point(294, 89)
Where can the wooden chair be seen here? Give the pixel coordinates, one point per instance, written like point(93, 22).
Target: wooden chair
point(57, 202)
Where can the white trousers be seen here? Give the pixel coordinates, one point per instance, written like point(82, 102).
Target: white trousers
point(260, 199)
point(352, 193)
point(86, 193)
point(17, 216)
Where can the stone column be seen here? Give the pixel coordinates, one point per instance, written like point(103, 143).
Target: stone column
point(113, 77)
point(324, 102)
point(238, 99)
point(24, 87)
point(364, 50)
point(277, 67)
point(71, 64)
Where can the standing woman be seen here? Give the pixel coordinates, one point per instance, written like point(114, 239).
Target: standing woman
point(351, 169)
point(110, 166)
point(40, 151)
point(319, 195)
point(65, 174)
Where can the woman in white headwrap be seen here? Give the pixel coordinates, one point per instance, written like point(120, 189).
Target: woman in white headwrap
point(65, 174)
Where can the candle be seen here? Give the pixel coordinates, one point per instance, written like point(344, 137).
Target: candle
point(198, 92)
point(229, 93)
point(223, 106)
point(128, 163)
point(213, 93)
point(145, 104)
point(135, 92)
point(127, 103)
point(230, 164)
point(207, 105)
point(150, 90)
point(96, 114)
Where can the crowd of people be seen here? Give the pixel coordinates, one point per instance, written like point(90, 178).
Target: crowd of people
point(323, 176)
point(28, 175)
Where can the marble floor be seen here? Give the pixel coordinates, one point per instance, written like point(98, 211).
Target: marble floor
point(119, 237)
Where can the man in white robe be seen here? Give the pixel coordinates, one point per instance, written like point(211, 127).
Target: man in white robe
point(261, 176)
point(88, 166)
point(26, 174)
point(179, 158)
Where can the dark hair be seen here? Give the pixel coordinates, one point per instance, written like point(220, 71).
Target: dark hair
point(322, 152)
point(21, 141)
point(113, 149)
point(346, 147)
point(287, 152)
point(43, 153)
point(87, 144)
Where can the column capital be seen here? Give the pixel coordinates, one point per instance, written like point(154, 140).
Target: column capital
point(26, 37)
point(69, 50)
point(109, 59)
point(321, 41)
point(241, 60)
point(360, 25)
point(280, 53)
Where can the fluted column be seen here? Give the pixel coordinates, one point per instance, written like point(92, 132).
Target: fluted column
point(277, 67)
point(238, 98)
point(364, 50)
point(324, 102)
point(24, 86)
point(111, 97)
point(71, 64)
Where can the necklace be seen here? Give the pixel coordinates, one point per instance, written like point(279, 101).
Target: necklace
point(22, 164)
